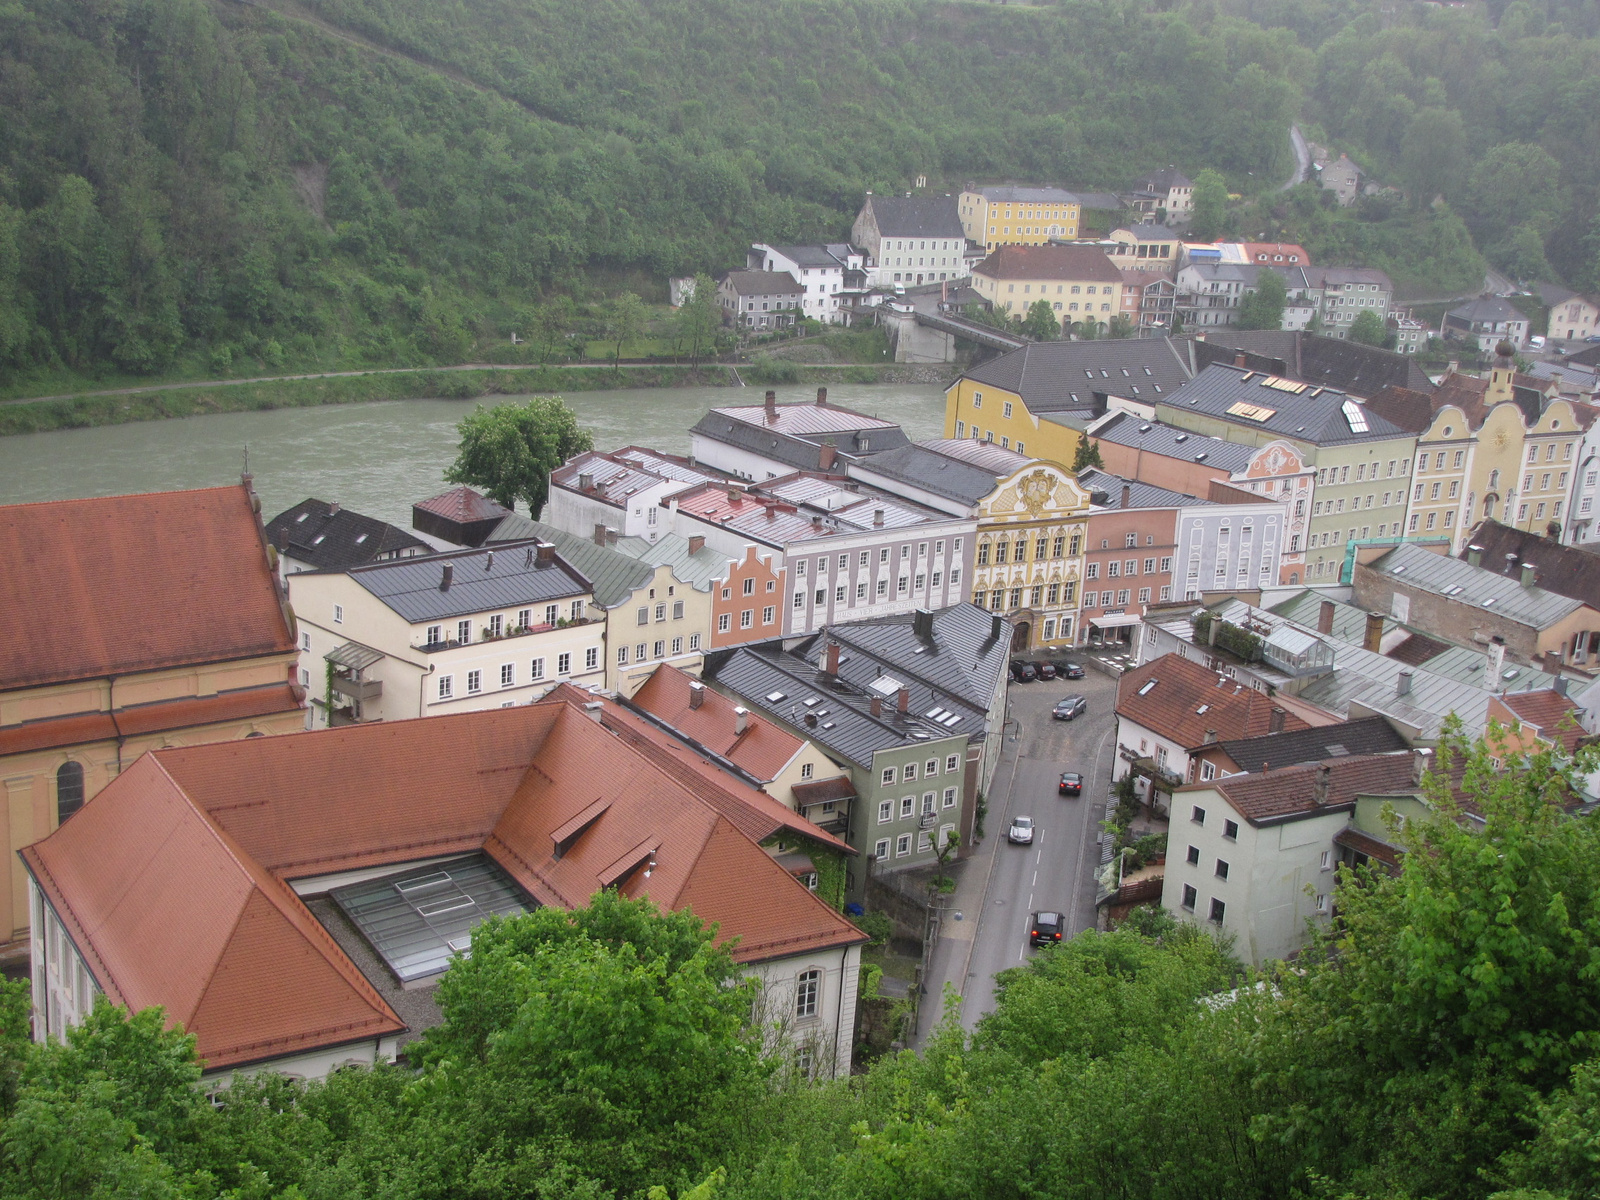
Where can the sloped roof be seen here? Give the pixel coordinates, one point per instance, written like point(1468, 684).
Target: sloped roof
point(332, 538)
point(1052, 376)
point(613, 576)
point(1006, 193)
point(173, 879)
point(762, 283)
point(1275, 796)
point(762, 749)
point(1487, 309)
point(1171, 441)
point(938, 473)
point(1368, 735)
point(183, 712)
point(1069, 262)
point(795, 434)
point(499, 577)
point(118, 584)
point(699, 568)
point(1294, 410)
point(963, 658)
point(1331, 362)
point(917, 216)
point(1140, 494)
point(1546, 711)
point(1164, 179)
point(1565, 570)
point(1412, 566)
point(1183, 700)
point(991, 456)
point(463, 506)
point(1406, 407)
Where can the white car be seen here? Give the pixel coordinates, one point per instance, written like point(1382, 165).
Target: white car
point(1021, 831)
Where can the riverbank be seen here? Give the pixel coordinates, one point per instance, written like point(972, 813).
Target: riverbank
point(158, 402)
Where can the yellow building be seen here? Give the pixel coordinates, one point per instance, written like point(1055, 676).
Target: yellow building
point(1018, 216)
point(1442, 485)
point(1079, 282)
point(1032, 530)
point(132, 623)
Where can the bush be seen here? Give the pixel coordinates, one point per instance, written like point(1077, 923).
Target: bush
point(876, 925)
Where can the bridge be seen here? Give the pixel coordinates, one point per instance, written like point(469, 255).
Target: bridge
point(922, 337)
point(984, 335)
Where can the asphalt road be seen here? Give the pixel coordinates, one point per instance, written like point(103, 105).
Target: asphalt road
point(1057, 870)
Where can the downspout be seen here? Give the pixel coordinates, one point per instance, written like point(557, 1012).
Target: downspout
point(421, 680)
point(122, 738)
point(838, 1012)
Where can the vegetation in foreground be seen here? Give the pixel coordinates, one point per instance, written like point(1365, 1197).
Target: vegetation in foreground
point(1440, 1042)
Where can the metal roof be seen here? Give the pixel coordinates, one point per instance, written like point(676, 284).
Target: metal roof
point(331, 538)
point(1170, 441)
point(1140, 494)
point(1368, 735)
point(762, 283)
point(917, 216)
point(1282, 407)
point(353, 655)
point(698, 570)
point(1478, 587)
point(803, 420)
point(991, 456)
point(938, 473)
point(1006, 194)
point(1052, 376)
point(963, 658)
point(493, 578)
point(612, 575)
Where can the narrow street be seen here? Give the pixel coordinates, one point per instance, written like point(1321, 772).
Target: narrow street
point(1002, 885)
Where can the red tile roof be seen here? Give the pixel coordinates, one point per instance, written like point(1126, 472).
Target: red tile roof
point(463, 505)
point(1049, 262)
point(1545, 711)
point(1271, 796)
point(173, 879)
point(132, 583)
point(187, 713)
point(762, 749)
point(1181, 688)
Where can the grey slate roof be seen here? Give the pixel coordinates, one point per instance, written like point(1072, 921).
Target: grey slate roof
point(809, 256)
point(613, 576)
point(1467, 584)
point(1103, 200)
point(1125, 429)
point(1566, 570)
point(1552, 294)
point(1314, 415)
point(917, 216)
point(1006, 193)
point(763, 283)
point(313, 532)
point(1368, 735)
point(1329, 362)
point(797, 442)
point(1487, 309)
point(845, 725)
point(411, 587)
point(698, 570)
point(1140, 494)
point(928, 469)
point(1054, 376)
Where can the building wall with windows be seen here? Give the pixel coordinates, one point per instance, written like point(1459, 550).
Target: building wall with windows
point(1228, 547)
point(994, 216)
point(1362, 492)
point(905, 807)
point(807, 1006)
point(1441, 496)
point(740, 603)
point(874, 574)
point(1129, 558)
point(1279, 472)
point(1031, 535)
point(663, 621)
point(988, 413)
point(1549, 460)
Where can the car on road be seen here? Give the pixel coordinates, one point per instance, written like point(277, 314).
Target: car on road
point(1045, 929)
point(1536, 342)
point(1070, 670)
point(1047, 670)
point(1021, 831)
point(1069, 707)
point(1592, 340)
point(1023, 671)
point(1071, 784)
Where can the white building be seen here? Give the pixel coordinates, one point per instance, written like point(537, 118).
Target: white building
point(624, 491)
point(819, 270)
point(910, 240)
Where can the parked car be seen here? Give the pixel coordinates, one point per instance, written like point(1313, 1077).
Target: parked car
point(1536, 342)
point(1024, 672)
point(1045, 930)
point(1071, 670)
point(1071, 784)
point(1592, 340)
point(1069, 707)
point(1021, 831)
point(1047, 670)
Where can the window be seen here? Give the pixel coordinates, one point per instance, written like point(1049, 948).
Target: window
point(591, 657)
point(1218, 909)
point(1166, 565)
point(508, 674)
point(463, 632)
point(1198, 815)
point(1190, 896)
point(677, 610)
point(69, 790)
point(908, 805)
point(750, 586)
point(622, 656)
point(338, 614)
point(1327, 860)
point(902, 845)
point(563, 664)
point(747, 617)
point(822, 597)
point(552, 613)
point(725, 620)
point(949, 797)
point(447, 686)
point(1230, 830)
point(536, 669)
point(435, 636)
point(694, 641)
point(1222, 869)
point(885, 811)
point(1006, 409)
point(910, 771)
point(888, 775)
point(1194, 856)
point(806, 989)
point(880, 850)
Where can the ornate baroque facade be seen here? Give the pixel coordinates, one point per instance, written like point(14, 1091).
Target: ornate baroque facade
point(1029, 564)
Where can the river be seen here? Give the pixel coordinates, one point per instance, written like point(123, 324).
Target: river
point(374, 458)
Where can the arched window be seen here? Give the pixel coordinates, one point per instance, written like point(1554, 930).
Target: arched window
point(69, 790)
point(807, 990)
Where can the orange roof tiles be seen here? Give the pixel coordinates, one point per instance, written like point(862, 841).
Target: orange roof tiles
point(172, 880)
point(1545, 711)
point(462, 505)
point(1181, 689)
point(762, 749)
point(1279, 795)
point(131, 583)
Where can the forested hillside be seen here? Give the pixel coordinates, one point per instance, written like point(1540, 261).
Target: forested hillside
point(216, 187)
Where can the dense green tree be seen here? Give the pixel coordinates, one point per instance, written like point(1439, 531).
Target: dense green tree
point(1040, 322)
point(699, 319)
point(1368, 329)
point(1086, 455)
point(1210, 206)
point(509, 450)
point(1433, 154)
point(1120, 327)
point(624, 322)
point(1262, 308)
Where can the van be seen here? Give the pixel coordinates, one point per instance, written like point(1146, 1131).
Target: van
point(1536, 342)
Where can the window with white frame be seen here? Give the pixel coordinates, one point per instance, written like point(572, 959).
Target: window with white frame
point(885, 811)
point(508, 675)
point(889, 774)
point(591, 658)
point(474, 682)
point(536, 670)
point(564, 664)
point(447, 686)
point(908, 805)
point(807, 988)
point(338, 614)
point(902, 845)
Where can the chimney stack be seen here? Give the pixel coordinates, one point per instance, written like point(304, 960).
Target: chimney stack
point(1238, 359)
point(697, 543)
point(585, 481)
point(877, 705)
point(1511, 564)
point(1527, 575)
point(1374, 635)
point(771, 405)
point(831, 658)
point(697, 694)
point(733, 495)
point(1475, 556)
point(333, 508)
point(1325, 617)
point(822, 397)
point(488, 561)
point(593, 709)
point(1127, 494)
point(546, 555)
point(922, 623)
point(811, 720)
point(741, 720)
point(1497, 661)
point(994, 626)
point(903, 700)
point(446, 576)
point(1211, 736)
point(1319, 785)
point(827, 454)
point(877, 518)
point(1419, 764)
point(1275, 720)
point(599, 533)
point(1402, 684)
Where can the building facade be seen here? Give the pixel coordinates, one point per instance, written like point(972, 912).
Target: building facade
point(1078, 282)
point(998, 215)
point(910, 240)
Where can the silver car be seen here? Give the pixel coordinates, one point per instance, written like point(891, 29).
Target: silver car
point(1021, 831)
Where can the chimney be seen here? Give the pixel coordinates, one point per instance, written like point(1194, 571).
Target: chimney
point(488, 561)
point(877, 518)
point(733, 495)
point(1275, 720)
point(1474, 556)
point(1127, 494)
point(1325, 617)
point(600, 490)
point(1374, 635)
point(446, 576)
point(811, 720)
point(546, 555)
point(697, 543)
point(611, 537)
point(1319, 785)
point(994, 626)
point(593, 709)
point(877, 705)
point(771, 405)
point(1497, 661)
point(922, 623)
point(822, 397)
point(831, 658)
point(826, 456)
point(1402, 685)
point(1527, 575)
point(527, 557)
point(599, 533)
point(585, 481)
point(333, 508)
point(1213, 627)
point(697, 694)
point(1238, 359)
point(1511, 564)
point(1419, 764)
point(1211, 736)
point(816, 524)
point(741, 720)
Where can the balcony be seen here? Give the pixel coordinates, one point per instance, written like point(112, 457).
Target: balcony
point(357, 689)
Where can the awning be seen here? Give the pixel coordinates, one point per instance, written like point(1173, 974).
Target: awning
point(1115, 620)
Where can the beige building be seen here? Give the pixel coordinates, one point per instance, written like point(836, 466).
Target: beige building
point(995, 215)
point(1145, 247)
point(1079, 282)
point(473, 629)
point(132, 623)
point(1571, 316)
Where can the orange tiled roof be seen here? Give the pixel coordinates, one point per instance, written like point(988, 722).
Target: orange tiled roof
point(1545, 711)
point(173, 879)
point(187, 713)
point(1182, 688)
point(762, 749)
point(1268, 795)
point(131, 583)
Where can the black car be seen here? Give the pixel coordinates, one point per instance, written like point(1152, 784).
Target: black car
point(1070, 707)
point(1047, 670)
point(1071, 670)
point(1024, 672)
point(1046, 928)
point(1071, 784)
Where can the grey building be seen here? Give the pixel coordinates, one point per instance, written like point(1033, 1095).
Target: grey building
point(315, 535)
point(1487, 321)
point(761, 443)
point(910, 239)
point(760, 300)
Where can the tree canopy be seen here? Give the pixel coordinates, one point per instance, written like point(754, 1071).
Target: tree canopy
point(509, 450)
point(1263, 307)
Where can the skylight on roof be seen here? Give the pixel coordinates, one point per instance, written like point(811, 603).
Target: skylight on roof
point(1202, 710)
point(1145, 690)
point(774, 697)
point(1354, 416)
